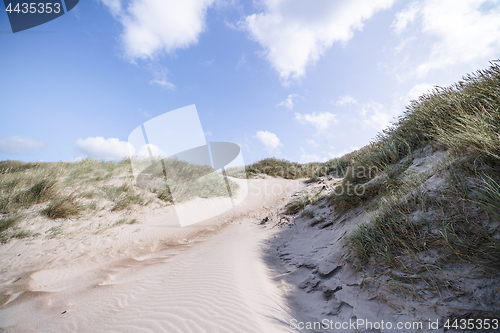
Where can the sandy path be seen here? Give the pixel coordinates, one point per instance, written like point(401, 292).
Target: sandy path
point(215, 282)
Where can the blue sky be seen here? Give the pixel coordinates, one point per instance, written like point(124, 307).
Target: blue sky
point(300, 80)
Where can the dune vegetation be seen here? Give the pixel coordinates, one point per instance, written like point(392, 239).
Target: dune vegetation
point(429, 186)
point(62, 190)
point(461, 216)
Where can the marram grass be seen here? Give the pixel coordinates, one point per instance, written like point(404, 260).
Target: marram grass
point(62, 190)
point(458, 218)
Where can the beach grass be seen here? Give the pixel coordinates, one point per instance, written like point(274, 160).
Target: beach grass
point(460, 218)
point(62, 190)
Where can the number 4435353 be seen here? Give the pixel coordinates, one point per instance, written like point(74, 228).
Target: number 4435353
point(471, 324)
point(34, 7)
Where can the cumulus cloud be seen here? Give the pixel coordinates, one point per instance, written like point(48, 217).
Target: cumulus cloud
point(418, 90)
point(296, 33)
point(341, 153)
point(148, 151)
point(462, 32)
point(375, 115)
point(115, 6)
point(18, 145)
point(105, 149)
point(151, 27)
point(288, 102)
point(307, 158)
point(322, 121)
point(270, 141)
point(406, 16)
point(346, 100)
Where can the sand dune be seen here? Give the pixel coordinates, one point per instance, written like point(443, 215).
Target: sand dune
point(162, 278)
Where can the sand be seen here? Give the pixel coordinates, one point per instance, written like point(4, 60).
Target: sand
point(251, 269)
point(152, 277)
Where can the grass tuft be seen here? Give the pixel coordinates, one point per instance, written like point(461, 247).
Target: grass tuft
point(36, 194)
point(7, 222)
point(300, 203)
point(489, 195)
point(9, 229)
point(309, 213)
point(63, 208)
point(126, 200)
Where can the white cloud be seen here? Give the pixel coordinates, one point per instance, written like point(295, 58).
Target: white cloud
point(18, 145)
point(306, 158)
point(288, 102)
point(406, 16)
point(149, 150)
point(151, 27)
point(296, 33)
point(115, 6)
point(417, 90)
point(332, 155)
point(270, 141)
point(462, 32)
point(375, 115)
point(322, 121)
point(163, 83)
point(106, 149)
point(76, 159)
point(346, 100)
point(160, 77)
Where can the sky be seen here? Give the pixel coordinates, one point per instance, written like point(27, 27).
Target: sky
point(298, 80)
